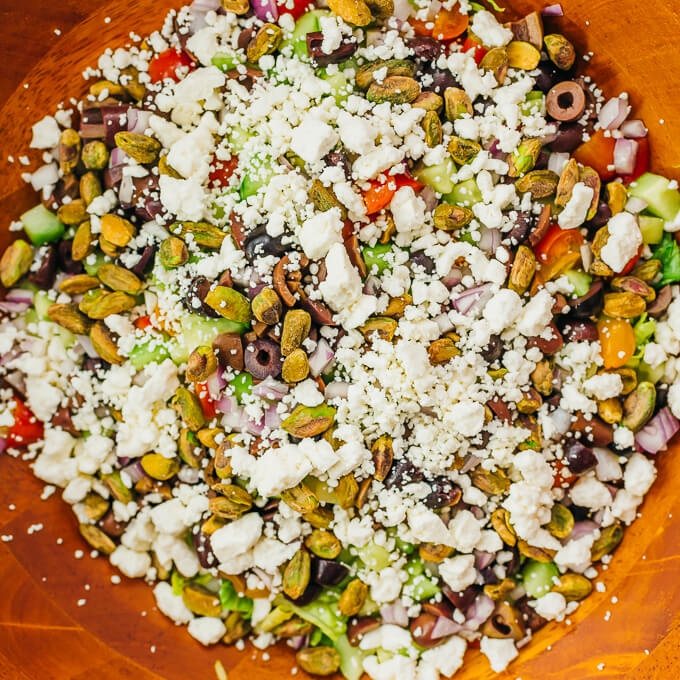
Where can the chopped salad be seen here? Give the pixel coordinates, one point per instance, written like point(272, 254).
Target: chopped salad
point(352, 326)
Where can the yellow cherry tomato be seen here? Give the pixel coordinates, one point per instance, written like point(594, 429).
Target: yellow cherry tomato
point(617, 340)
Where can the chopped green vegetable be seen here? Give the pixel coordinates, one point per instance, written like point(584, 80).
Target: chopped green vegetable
point(580, 280)
point(42, 226)
point(151, 351)
point(233, 601)
point(651, 229)
point(177, 582)
point(418, 585)
point(644, 330)
point(225, 61)
point(669, 254)
point(242, 383)
point(538, 577)
point(374, 556)
point(323, 613)
point(198, 330)
point(437, 176)
point(465, 193)
point(374, 256)
point(92, 263)
point(351, 658)
point(655, 190)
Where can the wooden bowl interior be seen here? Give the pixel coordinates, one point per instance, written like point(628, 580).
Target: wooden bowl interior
point(118, 633)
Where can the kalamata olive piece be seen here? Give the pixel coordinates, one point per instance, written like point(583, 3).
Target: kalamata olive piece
point(542, 160)
point(595, 431)
point(419, 261)
point(312, 591)
point(589, 304)
point(521, 229)
point(602, 216)
point(513, 565)
point(463, 599)
point(259, 243)
point(660, 305)
point(43, 277)
point(548, 76)
point(340, 159)
point(500, 409)
point(433, 79)
point(566, 101)
point(489, 575)
point(318, 311)
point(442, 608)
point(263, 359)
point(201, 543)
point(578, 457)
point(403, 472)
point(66, 262)
point(661, 397)
point(421, 630)
point(314, 46)
point(110, 526)
point(569, 137)
point(531, 619)
point(443, 495)
point(94, 364)
point(328, 572)
point(195, 296)
point(145, 259)
point(550, 346)
point(579, 513)
point(425, 47)
point(493, 349)
point(357, 628)
point(579, 331)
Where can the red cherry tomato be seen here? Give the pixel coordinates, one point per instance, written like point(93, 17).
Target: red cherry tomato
point(422, 29)
point(449, 24)
point(562, 475)
point(471, 43)
point(631, 263)
point(165, 65)
point(598, 153)
point(381, 193)
point(641, 161)
point(207, 402)
point(26, 429)
point(142, 322)
point(221, 172)
point(296, 8)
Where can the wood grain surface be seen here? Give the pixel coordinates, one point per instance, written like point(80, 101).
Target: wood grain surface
point(61, 618)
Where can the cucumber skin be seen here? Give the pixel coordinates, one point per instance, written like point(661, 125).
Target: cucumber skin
point(42, 226)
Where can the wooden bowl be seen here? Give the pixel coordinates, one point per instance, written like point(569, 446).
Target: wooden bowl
point(60, 616)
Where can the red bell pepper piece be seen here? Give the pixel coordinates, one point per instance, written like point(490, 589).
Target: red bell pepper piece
point(381, 193)
point(165, 65)
point(207, 402)
point(26, 429)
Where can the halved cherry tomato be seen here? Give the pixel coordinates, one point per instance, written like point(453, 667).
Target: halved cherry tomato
point(557, 251)
point(381, 193)
point(562, 474)
point(165, 65)
point(471, 43)
point(598, 153)
point(26, 429)
point(641, 161)
point(449, 24)
point(221, 172)
point(207, 402)
point(142, 322)
point(631, 263)
point(617, 342)
point(421, 28)
point(299, 7)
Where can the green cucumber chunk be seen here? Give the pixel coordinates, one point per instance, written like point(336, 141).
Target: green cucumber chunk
point(198, 330)
point(651, 229)
point(374, 256)
point(234, 602)
point(242, 384)
point(374, 556)
point(41, 302)
point(341, 87)
point(151, 351)
point(534, 103)
point(419, 585)
point(661, 200)
point(259, 175)
point(225, 61)
point(307, 23)
point(437, 176)
point(323, 613)
point(351, 658)
point(92, 263)
point(465, 193)
point(538, 577)
point(580, 280)
point(42, 226)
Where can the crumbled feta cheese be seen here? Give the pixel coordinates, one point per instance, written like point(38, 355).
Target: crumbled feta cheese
point(623, 242)
point(499, 652)
point(575, 212)
point(208, 630)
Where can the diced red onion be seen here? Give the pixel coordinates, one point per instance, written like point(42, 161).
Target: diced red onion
point(635, 204)
point(656, 434)
point(479, 611)
point(271, 389)
point(473, 299)
point(216, 383)
point(608, 468)
point(613, 113)
point(14, 307)
point(113, 176)
point(234, 419)
point(561, 421)
point(483, 559)
point(16, 301)
point(3, 444)
point(394, 613)
point(134, 471)
point(453, 278)
point(634, 129)
point(16, 380)
point(489, 240)
point(320, 358)
point(250, 426)
point(553, 11)
point(336, 390)
point(204, 5)
point(444, 323)
point(92, 130)
point(371, 285)
point(87, 346)
point(586, 256)
point(138, 120)
point(496, 152)
point(227, 404)
point(581, 529)
point(430, 197)
point(272, 419)
point(471, 461)
point(625, 154)
point(9, 357)
point(117, 158)
point(557, 160)
point(444, 627)
point(266, 10)
point(127, 188)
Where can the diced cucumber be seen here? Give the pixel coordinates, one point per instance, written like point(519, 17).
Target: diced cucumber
point(651, 229)
point(351, 658)
point(374, 256)
point(67, 338)
point(41, 225)
point(437, 176)
point(323, 613)
point(419, 585)
point(242, 384)
point(307, 23)
point(374, 556)
point(465, 193)
point(538, 577)
point(151, 351)
point(225, 61)
point(341, 88)
point(41, 302)
point(258, 176)
point(580, 280)
point(647, 373)
point(644, 329)
point(654, 190)
point(92, 263)
point(534, 103)
point(198, 330)
point(321, 490)
point(238, 138)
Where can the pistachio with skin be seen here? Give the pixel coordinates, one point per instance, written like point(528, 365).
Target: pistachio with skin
point(237, 628)
point(393, 67)
point(531, 551)
point(173, 252)
point(574, 587)
point(96, 538)
point(229, 303)
point(523, 270)
point(95, 155)
point(429, 101)
point(96, 506)
point(297, 574)
point(456, 103)
point(434, 552)
point(639, 406)
point(117, 230)
point(189, 448)
point(609, 540)
point(210, 437)
point(15, 262)
point(560, 51)
point(90, 187)
point(451, 217)
point(382, 326)
point(159, 467)
point(103, 340)
point(90, 298)
point(73, 213)
point(267, 306)
point(202, 363)
point(70, 146)
point(353, 597)
point(463, 150)
point(522, 55)
point(591, 178)
point(496, 61)
point(319, 660)
point(346, 491)
point(83, 241)
point(236, 6)
point(383, 456)
point(624, 305)
point(568, 180)
point(110, 303)
point(200, 600)
point(202, 234)
point(539, 183)
point(319, 518)
point(188, 407)
point(80, 283)
point(524, 157)
point(300, 498)
point(323, 544)
point(542, 377)
point(492, 482)
point(324, 198)
point(610, 410)
point(631, 284)
point(500, 590)
point(238, 500)
point(442, 350)
point(561, 521)
point(394, 89)
point(119, 278)
point(266, 41)
point(142, 148)
point(68, 316)
point(295, 366)
point(296, 326)
point(500, 520)
point(432, 127)
point(530, 402)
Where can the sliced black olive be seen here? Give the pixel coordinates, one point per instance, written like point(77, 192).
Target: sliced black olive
point(263, 359)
